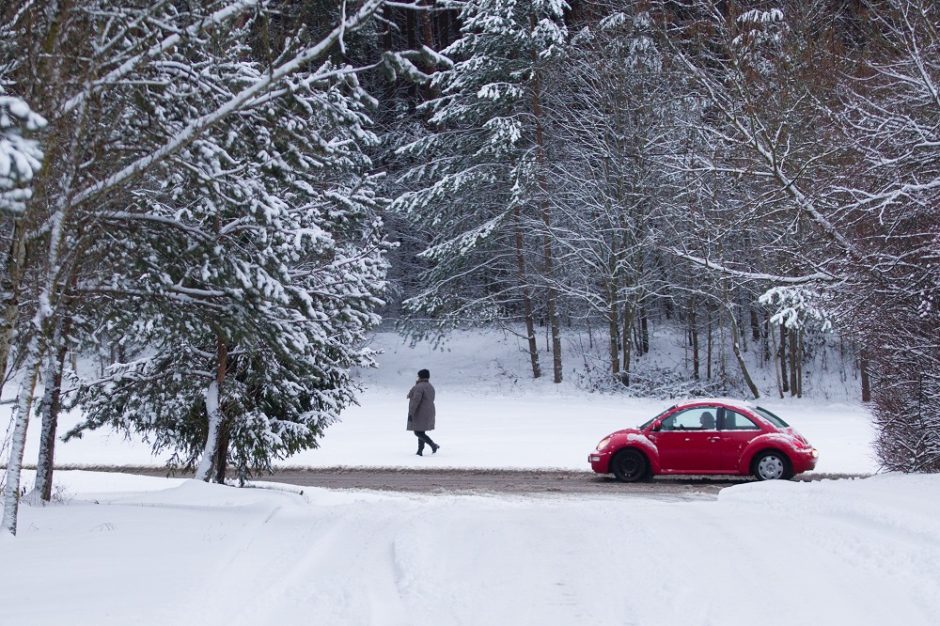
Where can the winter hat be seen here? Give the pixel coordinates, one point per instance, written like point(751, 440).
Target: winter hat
point(424, 374)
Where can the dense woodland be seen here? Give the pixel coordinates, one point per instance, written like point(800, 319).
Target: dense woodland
point(217, 201)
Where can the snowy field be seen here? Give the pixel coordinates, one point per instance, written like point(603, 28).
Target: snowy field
point(490, 415)
point(122, 550)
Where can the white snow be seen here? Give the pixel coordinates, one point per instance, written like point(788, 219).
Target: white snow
point(491, 415)
point(126, 550)
point(116, 549)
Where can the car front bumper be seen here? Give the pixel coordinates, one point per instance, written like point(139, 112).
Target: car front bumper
point(805, 460)
point(600, 462)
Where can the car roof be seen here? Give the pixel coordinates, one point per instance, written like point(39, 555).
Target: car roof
point(729, 401)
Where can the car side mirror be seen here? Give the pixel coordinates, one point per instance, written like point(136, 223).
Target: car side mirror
point(658, 427)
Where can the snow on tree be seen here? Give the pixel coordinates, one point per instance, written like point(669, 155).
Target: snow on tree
point(609, 119)
point(890, 120)
point(100, 62)
point(477, 181)
point(20, 154)
point(260, 263)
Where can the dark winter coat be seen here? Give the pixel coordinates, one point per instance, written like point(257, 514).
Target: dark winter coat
point(421, 406)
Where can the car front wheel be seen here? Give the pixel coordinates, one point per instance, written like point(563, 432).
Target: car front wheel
point(629, 466)
point(772, 465)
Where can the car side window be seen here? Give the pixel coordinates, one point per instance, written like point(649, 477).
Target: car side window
point(699, 418)
point(735, 421)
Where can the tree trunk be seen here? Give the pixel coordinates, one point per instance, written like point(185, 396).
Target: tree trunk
point(526, 298)
point(765, 341)
point(799, 365)
point(736, 348)
point(629, 313)
point(21, 409)
point(221, 454)
point(693, 332)
point(551, 295)
point(866, 380)
point(644, 332)
point(794, 383)
point(708, 345)
point(213, 413)
point(51, 405)
point(613, 321)
point(782, 354)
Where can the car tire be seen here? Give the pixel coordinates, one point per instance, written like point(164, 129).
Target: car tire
point(772, 465)
point(629, 466)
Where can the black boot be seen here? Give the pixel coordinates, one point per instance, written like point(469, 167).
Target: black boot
point(420, 448)
point(435, 447)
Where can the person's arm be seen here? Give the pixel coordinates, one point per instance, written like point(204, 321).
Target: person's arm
point(415, 394)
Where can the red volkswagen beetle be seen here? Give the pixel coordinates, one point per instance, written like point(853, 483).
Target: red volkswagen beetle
point(706, 437)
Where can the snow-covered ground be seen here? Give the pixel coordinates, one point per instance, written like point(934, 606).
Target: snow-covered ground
point(124, 550)
point(118, 549)
point(491, 415)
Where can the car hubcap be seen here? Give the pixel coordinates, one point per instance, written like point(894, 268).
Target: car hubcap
point(629, 467)
point(770, 467)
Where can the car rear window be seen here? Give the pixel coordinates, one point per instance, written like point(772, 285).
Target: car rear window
point(770, 417)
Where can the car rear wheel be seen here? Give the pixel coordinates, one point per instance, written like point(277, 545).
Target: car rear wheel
point(772, 465)
point(629, 466)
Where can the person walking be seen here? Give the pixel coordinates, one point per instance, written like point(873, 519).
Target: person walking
point(421, 411)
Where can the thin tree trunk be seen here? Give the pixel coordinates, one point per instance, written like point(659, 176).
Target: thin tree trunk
point(866, 380)
point(613, 324)
point(708, 344)
point(736, 348)
point(526, 298)
point(782, 353)
point(213, 413)
point(551, 295)
point(629, 313)
point(755, 325)
point(799, 365)
point(51, 405)
point(644, 331)
point(693, 332)
point(794, 384)
point(765, 341)
point(24, 404)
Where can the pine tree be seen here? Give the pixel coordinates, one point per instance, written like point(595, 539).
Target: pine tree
point(478, 186)
point(258, 263)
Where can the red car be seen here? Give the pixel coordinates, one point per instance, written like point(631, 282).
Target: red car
point(706, 437)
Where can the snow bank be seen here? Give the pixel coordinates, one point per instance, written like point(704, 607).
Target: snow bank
point(830, 552)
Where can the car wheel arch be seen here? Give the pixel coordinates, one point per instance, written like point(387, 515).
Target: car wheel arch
point(751, 467)
point(651, 470)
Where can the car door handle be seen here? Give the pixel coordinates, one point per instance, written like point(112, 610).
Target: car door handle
point(714, 439)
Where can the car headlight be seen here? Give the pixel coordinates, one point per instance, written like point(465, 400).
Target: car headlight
point(815, 453)
point(603, 443)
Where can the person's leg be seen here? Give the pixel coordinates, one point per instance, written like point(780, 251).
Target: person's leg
point(429, 441)
point(420, 435)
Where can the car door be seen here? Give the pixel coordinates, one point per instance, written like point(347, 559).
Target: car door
point(688, 441)
point(736, 431)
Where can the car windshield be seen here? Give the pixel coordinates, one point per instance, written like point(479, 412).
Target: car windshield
point(646, 424)
point(770, 417)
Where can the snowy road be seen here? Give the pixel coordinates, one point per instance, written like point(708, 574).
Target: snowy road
point(482, 481)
